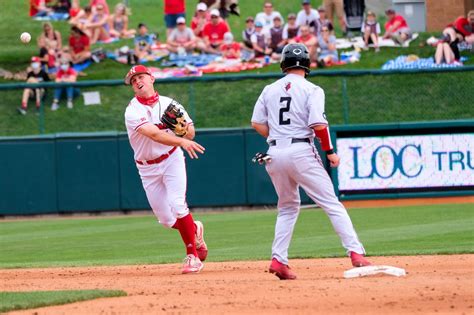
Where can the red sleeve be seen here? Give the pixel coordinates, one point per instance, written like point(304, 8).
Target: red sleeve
point(71, 42)
point(60, 74)
point(193, 24)
point(324, 138)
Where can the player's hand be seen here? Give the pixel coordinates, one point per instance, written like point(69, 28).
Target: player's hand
point(192, 148)
point(333, 159)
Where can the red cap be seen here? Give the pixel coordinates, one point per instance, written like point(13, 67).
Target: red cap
point(35, 59)
point(136, 70)
point(463, 26)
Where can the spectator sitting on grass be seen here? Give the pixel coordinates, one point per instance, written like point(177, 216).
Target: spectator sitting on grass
point(79, 44)
point(200, 19)
point(82, 18)
point(396, 27)
point(38, 8)
point(261, 41)
point(308, 16)
point(214, 33)
point(35, 75)
point(323, 20)
point(229, 48)
point(266, 17)
point(118, 23)
point(371, 30)
point(66, 74)
point(291, 29)
point(143, 42)
point(75, 9)
point(94, 3)
point(247, 32)
point(98, 25)
point(181, 39)
point(327, 44)
point(447, 50)
point(276, 38)
point(310, 41)
point(49, 43)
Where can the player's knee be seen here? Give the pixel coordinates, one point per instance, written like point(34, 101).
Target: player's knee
point(168, 223)
point(180, 207)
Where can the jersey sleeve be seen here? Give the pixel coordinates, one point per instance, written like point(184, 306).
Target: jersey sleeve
point(316, 99)
point(135, 119)
point(260, 115)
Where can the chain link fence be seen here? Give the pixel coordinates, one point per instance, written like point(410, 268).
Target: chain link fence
point(352, 97)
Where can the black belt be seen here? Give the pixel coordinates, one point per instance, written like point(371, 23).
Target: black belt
point(294, 140)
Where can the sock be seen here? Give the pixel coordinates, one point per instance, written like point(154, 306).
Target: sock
point(23, 105)
point(187, 229)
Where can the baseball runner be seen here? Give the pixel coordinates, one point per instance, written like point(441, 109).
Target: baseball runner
point(288, 114)
point(159, 129)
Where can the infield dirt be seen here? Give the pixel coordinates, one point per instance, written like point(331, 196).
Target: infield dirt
point(434, 284)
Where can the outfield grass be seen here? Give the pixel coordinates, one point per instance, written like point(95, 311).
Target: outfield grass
point(435, 229)
point(10, 301)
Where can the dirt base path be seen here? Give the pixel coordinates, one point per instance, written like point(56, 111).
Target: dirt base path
point(434, 284)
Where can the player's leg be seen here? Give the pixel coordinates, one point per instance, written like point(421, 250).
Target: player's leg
point(175, 181)
point(288, 210)
point(156, 194)
point(316, 182)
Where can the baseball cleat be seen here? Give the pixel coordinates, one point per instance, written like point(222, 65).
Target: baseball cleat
point(280, 270)
point(358, 260)
point(192, 264)
point(201, 246)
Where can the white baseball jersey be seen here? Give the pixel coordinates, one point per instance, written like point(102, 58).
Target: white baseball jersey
point(138, 114)
point(290, 106)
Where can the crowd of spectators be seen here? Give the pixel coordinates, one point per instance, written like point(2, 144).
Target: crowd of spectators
point(208, 31)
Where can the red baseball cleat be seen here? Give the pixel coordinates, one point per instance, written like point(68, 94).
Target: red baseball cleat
point(201, 246)
point(358, 260)
point(281, 271)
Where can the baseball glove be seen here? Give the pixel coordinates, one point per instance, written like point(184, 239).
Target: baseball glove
point(173, 118)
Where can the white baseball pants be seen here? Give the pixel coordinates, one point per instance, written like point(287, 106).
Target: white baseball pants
point(165, 187)
point(295, 165)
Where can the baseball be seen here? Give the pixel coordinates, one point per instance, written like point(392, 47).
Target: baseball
point(25, 37)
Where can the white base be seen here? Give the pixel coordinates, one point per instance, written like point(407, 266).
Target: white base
point(373, 270)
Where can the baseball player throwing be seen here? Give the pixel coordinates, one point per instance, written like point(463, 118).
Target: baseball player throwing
point(288, 114)
point(158, 129)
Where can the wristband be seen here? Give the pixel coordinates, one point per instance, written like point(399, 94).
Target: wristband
point(330, 152)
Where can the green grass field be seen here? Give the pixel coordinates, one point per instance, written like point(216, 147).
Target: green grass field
point(229, 104)
point(435, 229)
point(10, 301)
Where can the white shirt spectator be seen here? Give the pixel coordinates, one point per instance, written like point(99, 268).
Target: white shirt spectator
point(307, 19)
point(267, 20)
point(181, 36)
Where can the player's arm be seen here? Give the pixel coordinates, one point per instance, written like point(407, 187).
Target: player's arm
point(190, 131)
point(262, 129)
point(153, 132)
point(324, 137)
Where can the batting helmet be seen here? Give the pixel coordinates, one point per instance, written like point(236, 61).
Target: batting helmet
point(295, 56)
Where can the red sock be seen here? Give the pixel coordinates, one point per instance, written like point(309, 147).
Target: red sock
point(187, 229)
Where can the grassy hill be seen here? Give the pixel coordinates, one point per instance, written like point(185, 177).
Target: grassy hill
point(229, 104)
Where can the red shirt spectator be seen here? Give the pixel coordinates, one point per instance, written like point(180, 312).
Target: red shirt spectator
point(79, 44)
point(396, 18)
point(195, 22)
point(215, 32)
point(174, 6)
point(231, 51)
point(69, 72)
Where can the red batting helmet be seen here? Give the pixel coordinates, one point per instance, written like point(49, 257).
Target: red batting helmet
point(136, 70)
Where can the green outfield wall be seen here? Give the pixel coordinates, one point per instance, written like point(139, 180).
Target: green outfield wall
point(93, 172)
